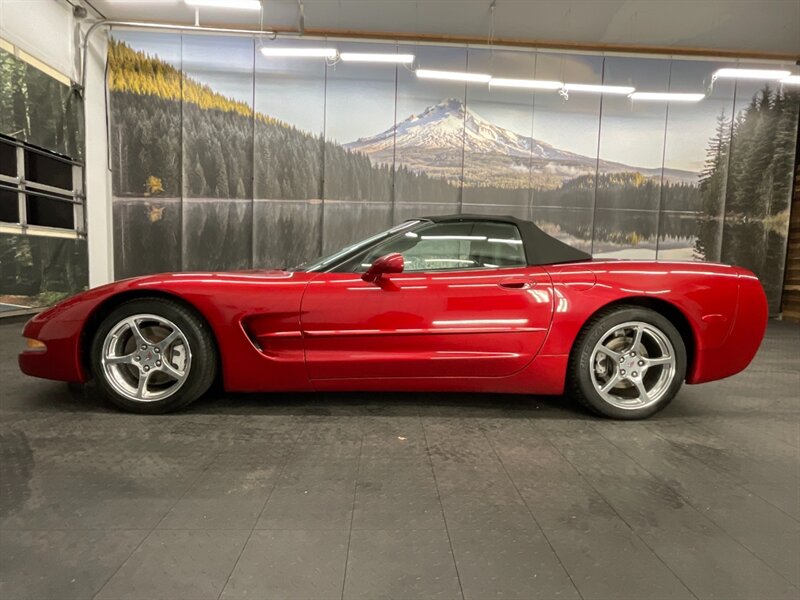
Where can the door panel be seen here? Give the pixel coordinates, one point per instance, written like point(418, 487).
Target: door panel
point(481, 323)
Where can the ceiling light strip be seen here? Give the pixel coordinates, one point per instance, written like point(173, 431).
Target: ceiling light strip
point(667, 96)
point(377, 58)
point(599, 89)
point(751, 74)
point(453, 76)
point(532, 84)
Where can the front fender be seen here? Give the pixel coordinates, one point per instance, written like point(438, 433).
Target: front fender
point(227, 301)
point(59, 328)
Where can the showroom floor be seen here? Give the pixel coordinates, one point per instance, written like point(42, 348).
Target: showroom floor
point(403, 496)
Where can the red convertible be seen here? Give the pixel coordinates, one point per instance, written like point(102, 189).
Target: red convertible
point(462, 303)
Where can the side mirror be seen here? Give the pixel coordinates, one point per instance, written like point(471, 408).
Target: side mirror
point(391, 263)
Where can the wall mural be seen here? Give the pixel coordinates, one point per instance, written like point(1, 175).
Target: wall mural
point(39, 109)
point(36, 108)
point(225, 158)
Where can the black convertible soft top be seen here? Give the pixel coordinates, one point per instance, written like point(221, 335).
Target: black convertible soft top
point(540, 248)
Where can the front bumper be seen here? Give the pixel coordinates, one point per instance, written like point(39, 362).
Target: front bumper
point(61, 359)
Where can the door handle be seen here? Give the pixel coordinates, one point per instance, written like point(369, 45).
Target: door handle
point(516, 284)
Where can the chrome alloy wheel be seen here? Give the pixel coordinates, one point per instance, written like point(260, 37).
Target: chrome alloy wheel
point(146, 358)
point(633, 365)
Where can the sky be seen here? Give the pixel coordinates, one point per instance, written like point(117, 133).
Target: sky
point(352, 100)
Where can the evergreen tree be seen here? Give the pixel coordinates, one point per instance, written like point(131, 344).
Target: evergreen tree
point(197, 180)
point(751, 174)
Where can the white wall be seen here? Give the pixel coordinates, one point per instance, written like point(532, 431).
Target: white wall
point(99, 228)
point(45, 29)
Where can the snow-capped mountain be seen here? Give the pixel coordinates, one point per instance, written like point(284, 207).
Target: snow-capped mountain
point(449, 125)
point(434, 140)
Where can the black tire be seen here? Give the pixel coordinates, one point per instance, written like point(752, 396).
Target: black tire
point(580, 383)
point(202, 369)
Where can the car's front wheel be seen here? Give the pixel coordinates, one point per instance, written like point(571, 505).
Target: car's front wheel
point(153, 355)
point(629, 362)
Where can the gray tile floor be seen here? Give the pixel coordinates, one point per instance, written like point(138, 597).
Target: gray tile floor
point(403, 496)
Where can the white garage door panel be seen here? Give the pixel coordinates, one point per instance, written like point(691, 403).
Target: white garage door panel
point(42, 28)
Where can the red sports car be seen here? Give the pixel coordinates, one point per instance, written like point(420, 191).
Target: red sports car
point(448, 303)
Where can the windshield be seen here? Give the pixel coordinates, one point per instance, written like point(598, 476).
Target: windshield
point(321, 263)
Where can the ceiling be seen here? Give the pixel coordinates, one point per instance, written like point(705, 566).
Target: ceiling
point(750, 27)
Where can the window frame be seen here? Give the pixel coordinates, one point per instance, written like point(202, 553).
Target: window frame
point(24, 188)
point(424, 223)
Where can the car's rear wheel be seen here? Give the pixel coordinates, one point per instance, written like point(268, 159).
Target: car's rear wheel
point(153, 355)
point(629, 362)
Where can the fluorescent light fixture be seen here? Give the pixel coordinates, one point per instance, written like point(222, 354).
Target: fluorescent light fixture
point(377, 58)
point(454, 76)
point(477, 238)
point(791, 80)
point(751, 74)
point(599, 89)
point(236, 4)
point(531, 84)
point(290, 52)
point(667, 96)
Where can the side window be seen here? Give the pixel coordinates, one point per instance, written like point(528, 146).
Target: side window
point(453, 246)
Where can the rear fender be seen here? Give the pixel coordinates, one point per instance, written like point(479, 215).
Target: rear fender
point(705, 295)
point(747, 330)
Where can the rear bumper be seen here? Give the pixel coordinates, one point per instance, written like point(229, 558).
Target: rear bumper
point(745, 336)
